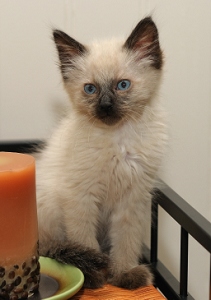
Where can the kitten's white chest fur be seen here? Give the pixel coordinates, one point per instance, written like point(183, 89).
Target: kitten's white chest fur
point(92, 167)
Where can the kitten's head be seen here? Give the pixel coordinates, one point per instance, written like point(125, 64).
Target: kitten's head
point(111, 81)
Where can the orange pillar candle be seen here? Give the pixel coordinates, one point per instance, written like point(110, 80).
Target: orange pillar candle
point(19, 266)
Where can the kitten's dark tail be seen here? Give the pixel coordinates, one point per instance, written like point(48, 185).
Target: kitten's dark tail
point(92, 263)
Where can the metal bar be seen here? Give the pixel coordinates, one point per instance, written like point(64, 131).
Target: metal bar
point(21, 146)
point(184, 264)
point(154, 231)
point(210, 277)
point(164, 280)
point(190, 219)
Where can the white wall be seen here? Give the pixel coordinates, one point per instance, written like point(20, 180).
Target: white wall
point(31, 90)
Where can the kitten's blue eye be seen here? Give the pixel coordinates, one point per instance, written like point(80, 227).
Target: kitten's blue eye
point(123, 85)
point(90, 89)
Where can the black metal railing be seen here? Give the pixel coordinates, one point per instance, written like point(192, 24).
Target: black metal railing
point(21, 146)
point(192, 223)
point(187, 217)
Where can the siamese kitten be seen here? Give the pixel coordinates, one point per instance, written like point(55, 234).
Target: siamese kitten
point(97, 171)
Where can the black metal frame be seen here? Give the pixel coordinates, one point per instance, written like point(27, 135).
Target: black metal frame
point(21, 146)
point(192, 223)
point(188, 218)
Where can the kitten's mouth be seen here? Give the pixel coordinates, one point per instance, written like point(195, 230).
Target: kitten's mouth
point(108, 120)
point(107, 111)
point(109, 116)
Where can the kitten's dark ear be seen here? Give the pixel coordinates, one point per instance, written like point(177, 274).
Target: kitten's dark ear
point(144, 40)
point(68, 49)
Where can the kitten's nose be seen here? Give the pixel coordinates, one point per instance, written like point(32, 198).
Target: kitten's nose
point(105, 104)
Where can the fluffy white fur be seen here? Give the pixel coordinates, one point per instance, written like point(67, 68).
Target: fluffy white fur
point(94, 180)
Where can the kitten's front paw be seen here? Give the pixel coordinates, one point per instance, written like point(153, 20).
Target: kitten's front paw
point(132, 279)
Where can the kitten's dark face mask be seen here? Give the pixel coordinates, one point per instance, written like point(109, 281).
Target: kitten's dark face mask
point(110, 100)
point(107, 109)
point(107, 100)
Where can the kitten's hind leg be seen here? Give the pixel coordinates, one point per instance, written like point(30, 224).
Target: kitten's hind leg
point(92, 263)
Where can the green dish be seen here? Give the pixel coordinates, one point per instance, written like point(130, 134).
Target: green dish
point(58, 281)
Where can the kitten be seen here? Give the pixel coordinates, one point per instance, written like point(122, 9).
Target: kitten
point(95, 175)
